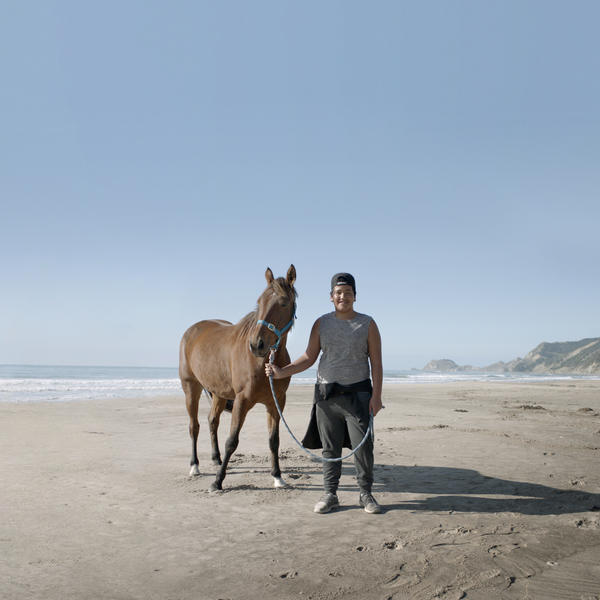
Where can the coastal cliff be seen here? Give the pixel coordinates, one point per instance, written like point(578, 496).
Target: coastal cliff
point(580, 358)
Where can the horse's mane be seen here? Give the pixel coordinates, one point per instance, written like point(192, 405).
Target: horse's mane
point(282, 288)
point(246, 323)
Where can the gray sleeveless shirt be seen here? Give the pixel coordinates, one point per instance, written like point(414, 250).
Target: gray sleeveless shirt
point(345, 357)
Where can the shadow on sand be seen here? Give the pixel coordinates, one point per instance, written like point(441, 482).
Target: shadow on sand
point(463, 490)
point(467, 490)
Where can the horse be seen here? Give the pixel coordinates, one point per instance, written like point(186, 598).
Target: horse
point(228, 361)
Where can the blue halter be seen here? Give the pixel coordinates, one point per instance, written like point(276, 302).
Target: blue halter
point(278, 332)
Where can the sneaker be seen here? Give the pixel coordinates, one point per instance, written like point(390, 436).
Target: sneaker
point(327, 502)
point(369, 503)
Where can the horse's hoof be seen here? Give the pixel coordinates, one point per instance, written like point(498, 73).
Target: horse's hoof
point(194, 471)
point(217, 462)
point(278, 482)
point(215, 487)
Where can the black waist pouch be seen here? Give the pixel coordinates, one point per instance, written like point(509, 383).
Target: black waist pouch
point(324, 391)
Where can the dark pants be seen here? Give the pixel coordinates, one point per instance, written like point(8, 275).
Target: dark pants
point(333, 416)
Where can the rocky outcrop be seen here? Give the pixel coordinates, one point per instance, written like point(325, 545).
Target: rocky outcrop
point(577, 358)
point(443, 364)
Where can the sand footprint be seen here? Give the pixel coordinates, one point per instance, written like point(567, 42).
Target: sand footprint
point(450, 594)
point(289, 575)
point(401, 579)
point(586, 523)
point(578, 481)
point(499, 549)
point(393, 545)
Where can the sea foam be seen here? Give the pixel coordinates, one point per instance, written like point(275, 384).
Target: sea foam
point(30, 383)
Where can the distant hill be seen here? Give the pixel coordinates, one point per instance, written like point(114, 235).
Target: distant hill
point(578, 358)
point(581, 357)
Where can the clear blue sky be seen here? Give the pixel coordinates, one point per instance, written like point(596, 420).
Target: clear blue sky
point(156, 157)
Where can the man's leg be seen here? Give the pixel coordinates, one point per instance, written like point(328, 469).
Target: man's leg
point(357, 427)
point(332, 427)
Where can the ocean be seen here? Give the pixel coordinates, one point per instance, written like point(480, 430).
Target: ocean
point(38, 383)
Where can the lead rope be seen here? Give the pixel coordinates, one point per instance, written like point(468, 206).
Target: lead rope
point(370, 429)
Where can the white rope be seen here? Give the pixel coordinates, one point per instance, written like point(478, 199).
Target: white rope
point(370, 429)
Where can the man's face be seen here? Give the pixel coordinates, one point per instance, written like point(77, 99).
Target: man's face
point(342, 297)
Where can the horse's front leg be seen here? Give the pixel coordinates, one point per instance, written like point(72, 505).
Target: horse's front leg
point(273, 424)
point(238, 416)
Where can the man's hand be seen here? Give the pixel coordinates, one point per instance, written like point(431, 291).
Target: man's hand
point(375, 404)
point(272, 370)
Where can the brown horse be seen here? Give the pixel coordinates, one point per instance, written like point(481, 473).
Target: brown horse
point(228, 361)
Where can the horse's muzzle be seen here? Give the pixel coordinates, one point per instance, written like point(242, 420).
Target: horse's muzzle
point(259, 348)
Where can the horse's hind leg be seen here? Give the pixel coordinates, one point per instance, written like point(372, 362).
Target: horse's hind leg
point(273, 424)
point(192, 390)
point(238, 416)
point(217, 407)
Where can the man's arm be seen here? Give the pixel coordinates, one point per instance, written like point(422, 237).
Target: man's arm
point(374, 343)
point(303, 362)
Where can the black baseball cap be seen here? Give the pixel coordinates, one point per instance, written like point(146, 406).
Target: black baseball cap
point(343, 279)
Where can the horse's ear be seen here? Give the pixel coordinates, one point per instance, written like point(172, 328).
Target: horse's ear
point(269, 276)
point(291, 275)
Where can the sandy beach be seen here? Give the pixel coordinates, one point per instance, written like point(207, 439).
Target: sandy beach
point(489, 490)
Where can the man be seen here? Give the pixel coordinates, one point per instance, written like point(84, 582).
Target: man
point(344, 394)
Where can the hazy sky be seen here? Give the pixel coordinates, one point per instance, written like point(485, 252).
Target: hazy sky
point(156, 157)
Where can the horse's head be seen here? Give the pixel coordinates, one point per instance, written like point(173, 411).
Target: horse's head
point(275, 312)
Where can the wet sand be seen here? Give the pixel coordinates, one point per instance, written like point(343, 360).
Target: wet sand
point(490, 491)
